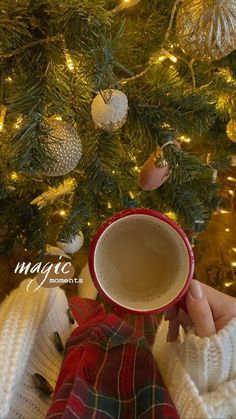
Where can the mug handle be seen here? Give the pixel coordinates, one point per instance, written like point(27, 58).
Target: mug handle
point(182, 304)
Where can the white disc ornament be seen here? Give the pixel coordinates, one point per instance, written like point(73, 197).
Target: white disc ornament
point(109, 110)
point(74, 245)
point(231, 130)
point(207, 28)
point(64, 145)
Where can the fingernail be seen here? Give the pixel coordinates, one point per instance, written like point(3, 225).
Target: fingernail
point(196, 290)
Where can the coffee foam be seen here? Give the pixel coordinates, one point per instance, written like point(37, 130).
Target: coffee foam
point(141, 262)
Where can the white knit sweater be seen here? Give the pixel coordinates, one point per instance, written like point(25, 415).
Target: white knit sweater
point(200, 374)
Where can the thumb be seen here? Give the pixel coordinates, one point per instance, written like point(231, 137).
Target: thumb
point(199, 310)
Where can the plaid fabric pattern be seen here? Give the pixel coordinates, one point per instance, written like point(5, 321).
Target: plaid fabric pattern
point(108, 371)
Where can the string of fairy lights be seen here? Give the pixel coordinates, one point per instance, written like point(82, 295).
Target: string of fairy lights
point(157, 59)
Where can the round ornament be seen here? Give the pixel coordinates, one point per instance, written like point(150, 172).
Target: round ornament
point(109, 110)
point(207, 28)
point(64, 145)
point(74, 245)
point(154, 172)
point(231, 130)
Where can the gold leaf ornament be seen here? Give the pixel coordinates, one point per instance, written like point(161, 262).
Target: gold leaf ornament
point(206, 29)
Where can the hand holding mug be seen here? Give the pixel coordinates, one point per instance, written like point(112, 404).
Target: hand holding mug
point(208, 311)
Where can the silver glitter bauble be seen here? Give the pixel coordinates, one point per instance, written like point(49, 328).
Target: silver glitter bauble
point(110, 109)
point(207, 28)
point(64, 145)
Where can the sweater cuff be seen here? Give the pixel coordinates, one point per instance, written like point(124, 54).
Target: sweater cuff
point(210, 361)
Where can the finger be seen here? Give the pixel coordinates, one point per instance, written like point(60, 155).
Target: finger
point(173, 331)
point(222, 305)
point(199, 310)
point(185, 320)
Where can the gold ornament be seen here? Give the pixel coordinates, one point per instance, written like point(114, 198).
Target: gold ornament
point(231, 130)
point(207, 28)
point(64, 145)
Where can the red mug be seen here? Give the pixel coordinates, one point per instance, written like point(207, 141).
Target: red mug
point(141, 261)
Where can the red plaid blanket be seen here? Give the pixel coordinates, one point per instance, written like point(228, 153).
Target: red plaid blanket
point(108, 369)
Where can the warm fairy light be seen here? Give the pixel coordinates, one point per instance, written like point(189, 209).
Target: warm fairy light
point(231, 179)
point(233, 264)
point(109, 206)
point(14, 176)
point(9, 79)
point(185, 139)
point(88, 223)
point(113, 172)
point(227, 230)
point(224, 212)
point(136, 168)
point(164, 55)
point(131, 195)
point(62, 213)
point(171, 215)
point(69, 61)
point(58, 117)
point(234, 249)
point(231, 192)
point(228, 284)
point(18, 122)
point(3, 111)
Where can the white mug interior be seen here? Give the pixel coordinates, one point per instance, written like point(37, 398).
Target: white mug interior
point(141, 262)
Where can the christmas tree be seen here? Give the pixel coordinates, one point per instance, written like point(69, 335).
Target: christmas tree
point(63, 167)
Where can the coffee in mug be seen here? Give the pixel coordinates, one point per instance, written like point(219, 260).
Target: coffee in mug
point(141, 261)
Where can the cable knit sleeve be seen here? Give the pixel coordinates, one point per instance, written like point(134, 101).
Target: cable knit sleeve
point(210, 361)
point(200, 373)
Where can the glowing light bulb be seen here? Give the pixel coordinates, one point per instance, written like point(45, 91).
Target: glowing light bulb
point(227, 230)
point(69, 61)
point(234, 249)
point(224, 212)
point(8, 79)
point(3, 110)
point(228, 284)
point(58, 117)
point(88, 223)
point(14, 176)
point(172, 215)
point(136, 168)
point(233, 264)
point(109, 206)
point(62, 213)
point(131, 195)
point(231, 192)
point(18, 122)
point(231, 179)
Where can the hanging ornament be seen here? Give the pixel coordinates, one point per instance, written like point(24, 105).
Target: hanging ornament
point(155, 170)
point(64, 145)
point(109, 110)
point(72, 246)
point(231, 130)
point(207, 28)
